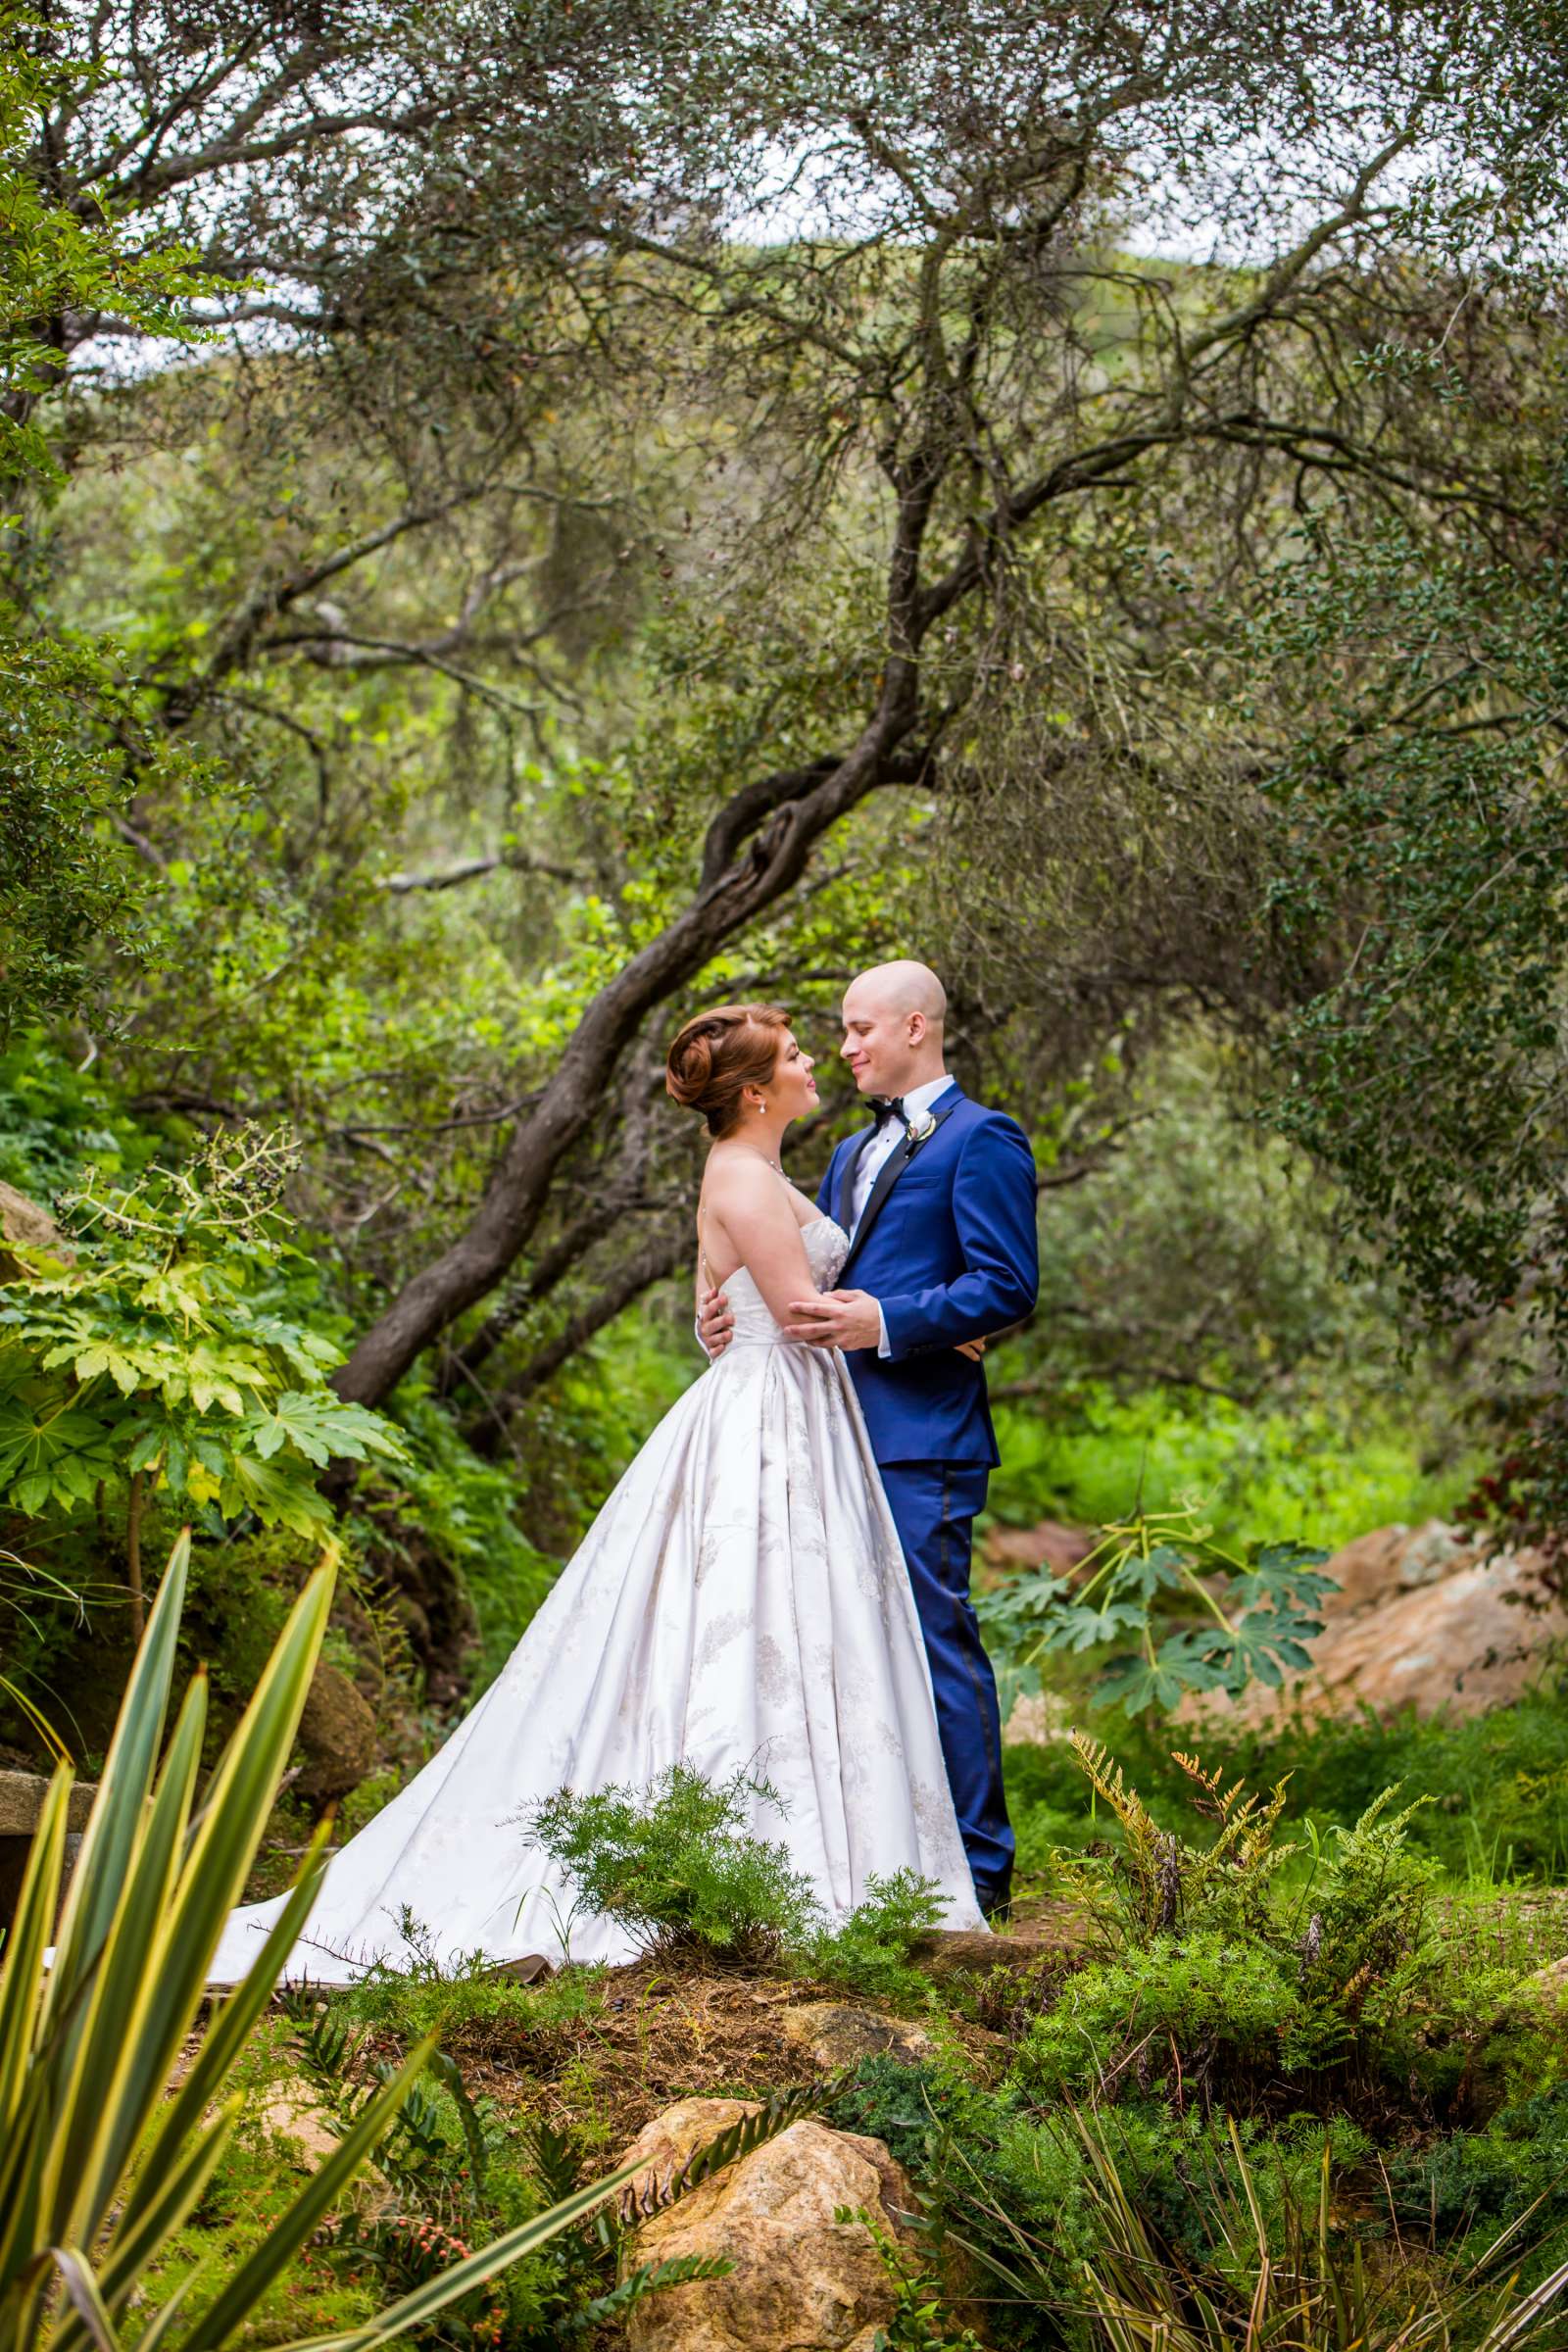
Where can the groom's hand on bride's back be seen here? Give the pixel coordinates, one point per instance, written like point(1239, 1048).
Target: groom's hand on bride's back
point(715, 1325)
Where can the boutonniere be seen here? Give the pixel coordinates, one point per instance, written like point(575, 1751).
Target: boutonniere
point(921, 1126)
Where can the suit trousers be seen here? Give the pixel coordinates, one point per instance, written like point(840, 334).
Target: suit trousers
point(934, 1506)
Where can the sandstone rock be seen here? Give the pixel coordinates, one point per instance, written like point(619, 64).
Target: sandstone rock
point(530, 1968)
point(802, 2282)
point(1394, 1559)
point(971, 1951)
point(1049, 1544)
point(22, 1220)
point(1036, 1717)
point(22, 1795)
point(835, 2034)
point(290, 2110)
point(337, 1731)
point(1468, 1642)
point(1541, 1999)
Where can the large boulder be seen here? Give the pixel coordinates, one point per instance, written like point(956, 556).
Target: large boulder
point(22, 1220)
point(1421, 1617)
point(802, 2282)
point(338, 1733)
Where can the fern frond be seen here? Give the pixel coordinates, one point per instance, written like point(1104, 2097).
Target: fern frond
point(646, 2279)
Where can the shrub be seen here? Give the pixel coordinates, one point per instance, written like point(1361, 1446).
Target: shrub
point(1170, 2016)
point(870, 1951)
point(1210, 1965)
point(675, 1864)
point(1466, 2187)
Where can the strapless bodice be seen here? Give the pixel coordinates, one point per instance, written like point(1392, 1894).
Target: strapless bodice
point(827, 1246)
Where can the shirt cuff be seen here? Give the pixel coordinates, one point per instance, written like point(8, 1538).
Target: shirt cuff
point(884, 1347)
point(697, 1326)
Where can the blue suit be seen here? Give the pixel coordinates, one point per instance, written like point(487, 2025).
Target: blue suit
point(948, 1244)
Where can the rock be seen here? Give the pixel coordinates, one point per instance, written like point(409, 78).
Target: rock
point(22, 1795)
point(1394, 1559)
point(22, 1220)
point(1395, 1637)
point(1051, 1544)
point(1037, 1716)
point(835, 2034)
point(974, 1951)
point(529, 1968)
point(291, 2111)
point(338, 1733)
point(1541, 1999)
point(802, 2282)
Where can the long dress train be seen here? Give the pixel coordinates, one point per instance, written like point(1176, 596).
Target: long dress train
point(740, 1601)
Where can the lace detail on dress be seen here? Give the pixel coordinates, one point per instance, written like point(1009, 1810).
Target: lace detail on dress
point(827, 1246)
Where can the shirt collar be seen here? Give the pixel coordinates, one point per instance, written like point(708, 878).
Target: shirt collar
point(921, 1098)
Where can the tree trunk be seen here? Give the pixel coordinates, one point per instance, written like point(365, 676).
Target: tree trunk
point(658, 1259)
point(517, 1194)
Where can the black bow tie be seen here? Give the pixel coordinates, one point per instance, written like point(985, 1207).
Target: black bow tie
point(887, 1106)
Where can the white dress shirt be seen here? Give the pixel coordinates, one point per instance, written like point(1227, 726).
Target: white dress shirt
point(886, 1139)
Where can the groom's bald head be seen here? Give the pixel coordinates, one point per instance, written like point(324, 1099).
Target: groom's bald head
point(892, 1027)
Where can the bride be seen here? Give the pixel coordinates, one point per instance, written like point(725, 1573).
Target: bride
point(740, 1602)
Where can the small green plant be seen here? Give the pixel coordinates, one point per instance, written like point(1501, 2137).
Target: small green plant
point(1254, 1613)
point(869, 1952)
point(457, 2168)
point(921, 2320)
point(675, 1864)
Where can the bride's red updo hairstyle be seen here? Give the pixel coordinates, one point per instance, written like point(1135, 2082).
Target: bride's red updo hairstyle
point(721, 1053)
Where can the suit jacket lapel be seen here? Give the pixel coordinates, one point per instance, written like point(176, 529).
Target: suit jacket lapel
point(887, 1174)
point(852, 1161)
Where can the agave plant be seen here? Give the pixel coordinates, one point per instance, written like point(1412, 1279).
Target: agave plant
point(102, 2156)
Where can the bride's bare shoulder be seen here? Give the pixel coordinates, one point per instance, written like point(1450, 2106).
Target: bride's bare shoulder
point(736, 1175)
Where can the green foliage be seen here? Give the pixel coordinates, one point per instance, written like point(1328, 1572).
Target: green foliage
point(468, 1510)
point(74, 742)
point(1215, 1969)
point(56, 1120)
point(921, 2322)
point(675, 1864)
point(1290, 2278)
point(1319, 1469)
point(1421, 780)
point(456, 2169)
point(468, 2004)
point(1467, 2186)
point(1255, 1613)
point(1494, 1786)
point(153, 1356)
point(869, 1952)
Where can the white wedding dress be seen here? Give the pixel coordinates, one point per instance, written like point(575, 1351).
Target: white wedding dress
point(740, 1601)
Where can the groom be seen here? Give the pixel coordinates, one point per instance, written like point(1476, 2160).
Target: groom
point(938, 1198)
